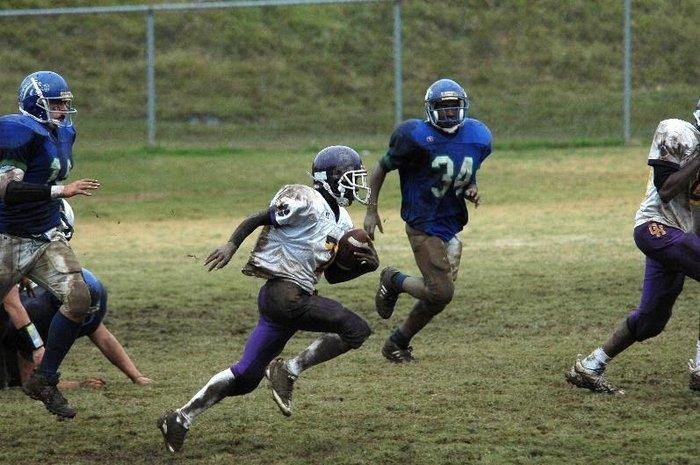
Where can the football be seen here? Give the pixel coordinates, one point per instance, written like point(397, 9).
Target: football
point(351, 242)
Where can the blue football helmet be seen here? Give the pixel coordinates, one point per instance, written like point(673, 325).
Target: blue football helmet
point(696, 115)
point(446, 105)
point(38, 90)
point(338, 170)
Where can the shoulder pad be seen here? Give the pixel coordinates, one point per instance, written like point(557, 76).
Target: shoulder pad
point(17, 130)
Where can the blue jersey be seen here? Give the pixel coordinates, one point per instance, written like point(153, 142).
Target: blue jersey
point(44, 305)
point(434, 169)
point(45, 156)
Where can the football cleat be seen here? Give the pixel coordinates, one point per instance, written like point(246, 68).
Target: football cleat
point(694, 380)
point(39, 387)
point(387, 295)
point(592, 380)
point(281, 383)
point(395, 354)
point(173, 427)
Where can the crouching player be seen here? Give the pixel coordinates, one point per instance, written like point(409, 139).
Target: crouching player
point(41, 306)
point(665, 233)
point(302, 226)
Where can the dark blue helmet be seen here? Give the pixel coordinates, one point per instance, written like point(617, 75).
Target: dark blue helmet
point(446, 104)
point(38, 90)
point(338, 169)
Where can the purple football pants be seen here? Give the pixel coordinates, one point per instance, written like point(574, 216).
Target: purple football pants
point(671, 255)
point(285, 309)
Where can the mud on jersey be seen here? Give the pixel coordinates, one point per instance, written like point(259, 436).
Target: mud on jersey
point(302, 240)
point(675, 144)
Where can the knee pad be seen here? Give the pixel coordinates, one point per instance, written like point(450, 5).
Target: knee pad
point(439, 295)
point(356, 332)
point(76, 304)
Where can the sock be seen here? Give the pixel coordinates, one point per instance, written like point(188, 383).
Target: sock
point(398, 280)
point(212, 392)
point(62, 334)
point(697, 355)
point(321, 350)
point(596, 361)
point(400, 338)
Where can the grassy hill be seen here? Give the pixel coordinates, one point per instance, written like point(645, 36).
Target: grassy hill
point(537, 70)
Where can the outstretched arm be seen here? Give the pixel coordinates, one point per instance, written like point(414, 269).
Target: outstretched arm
point(115, 353)
point(13, 190)
point(220, 257)
point(372, 219)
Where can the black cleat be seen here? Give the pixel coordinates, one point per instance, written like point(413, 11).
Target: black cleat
point(395, 354)
point(387, 294)
point(39, 387)
point(281, 383)
point(174, 431)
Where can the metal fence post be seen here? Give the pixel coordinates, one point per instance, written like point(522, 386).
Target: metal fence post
point(150, 78)
point(627, 73)
point(398, 74)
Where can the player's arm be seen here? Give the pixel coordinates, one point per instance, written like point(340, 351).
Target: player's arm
point(670, 182)
point(220, 257)
point(115, 353)
point(20, 319)
point(13, 190)
point(372, 219)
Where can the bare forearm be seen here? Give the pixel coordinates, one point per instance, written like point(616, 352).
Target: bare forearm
point(14, 308)
point(376, 180)
point(115, 353)
point(249, 225)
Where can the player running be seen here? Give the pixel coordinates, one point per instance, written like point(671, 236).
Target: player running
point(36, 154)
point(302, 226)
point(437, 159)
point(664, 232)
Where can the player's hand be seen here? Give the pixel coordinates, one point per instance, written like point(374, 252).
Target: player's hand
point(220, 257)
point(38, 356)
point(367, 259)
point(372, 220)
point(94, 383)
point(25, 284)
point(80, 187)
point(472, 194)
point(142, 380)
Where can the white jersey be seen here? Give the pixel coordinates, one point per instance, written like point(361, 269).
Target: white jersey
point(675, 144)
point(302, 240)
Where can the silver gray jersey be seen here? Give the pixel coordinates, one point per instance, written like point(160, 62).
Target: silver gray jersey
point(302, 240)
point(675, 142)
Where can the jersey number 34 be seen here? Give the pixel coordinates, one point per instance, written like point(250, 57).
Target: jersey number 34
point(447, 166)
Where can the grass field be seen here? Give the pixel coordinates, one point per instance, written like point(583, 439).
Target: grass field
point(549, 267)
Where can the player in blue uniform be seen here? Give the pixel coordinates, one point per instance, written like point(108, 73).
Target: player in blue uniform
point(35, 156)
point(42, 306)
point(437, 160)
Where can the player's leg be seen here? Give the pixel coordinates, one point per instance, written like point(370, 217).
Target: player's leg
point(58, 269)
point(694, 367)
point(660, 290)
point(264, 343)
point(438, 262)
point(345, 330)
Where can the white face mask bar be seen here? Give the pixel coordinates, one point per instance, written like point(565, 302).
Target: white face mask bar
point(356, 181)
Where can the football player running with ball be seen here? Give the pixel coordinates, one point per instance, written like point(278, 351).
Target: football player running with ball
point(664, 232)
point(302, 227)
point(36, 153)
point(437, 160)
